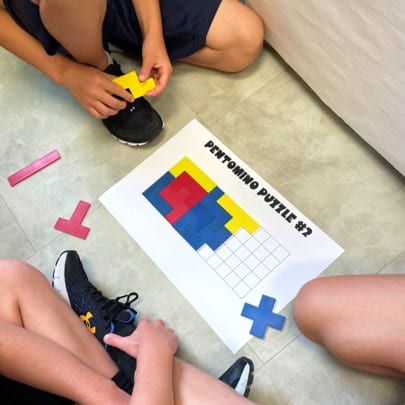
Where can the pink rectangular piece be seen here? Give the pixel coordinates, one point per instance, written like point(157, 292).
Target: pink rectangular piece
point(73, 226)
point(33, 168)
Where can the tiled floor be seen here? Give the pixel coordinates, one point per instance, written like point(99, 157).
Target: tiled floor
point(268, 117)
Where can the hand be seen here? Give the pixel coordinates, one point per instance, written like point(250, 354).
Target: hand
point(156, 64)
point(148, 335)
point(95, 90)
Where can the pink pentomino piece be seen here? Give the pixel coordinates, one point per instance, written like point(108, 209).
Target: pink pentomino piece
point(33, 168)
point(181, 194)
point(73, 226)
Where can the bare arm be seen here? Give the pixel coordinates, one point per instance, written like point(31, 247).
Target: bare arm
point(91, 87)
point(155, 61)
point(154, 347)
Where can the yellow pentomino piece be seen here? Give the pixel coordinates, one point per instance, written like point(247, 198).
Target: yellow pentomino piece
point(240, 218)
point(130, 81)
point(186, 165)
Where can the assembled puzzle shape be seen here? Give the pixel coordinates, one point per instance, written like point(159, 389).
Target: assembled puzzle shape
point(198, 209)
point(137, 88)
point(263, 316)
point(33, 168)
point(73, 226)
point(230, 241)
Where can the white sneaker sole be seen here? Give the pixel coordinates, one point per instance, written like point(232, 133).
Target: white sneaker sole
point(245, 381)
point(58, 278)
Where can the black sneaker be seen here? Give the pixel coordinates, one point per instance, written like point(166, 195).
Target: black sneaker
point(136, 125)
point(239, 376)
point(100, 314)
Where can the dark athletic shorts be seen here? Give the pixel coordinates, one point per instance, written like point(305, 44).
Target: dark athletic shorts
point(14, 393)
point(185, 25)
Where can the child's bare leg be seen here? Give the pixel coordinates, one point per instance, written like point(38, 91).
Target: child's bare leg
point(234, 39)
point(77, 25)
point(359, 319)
point(44, 343)
point(193, 386)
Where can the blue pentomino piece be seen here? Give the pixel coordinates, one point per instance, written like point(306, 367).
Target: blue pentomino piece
point(205, 222)
point(263, 316)
point(152, 193)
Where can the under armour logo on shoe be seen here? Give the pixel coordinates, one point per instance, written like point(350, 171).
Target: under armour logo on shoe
point(89, 322)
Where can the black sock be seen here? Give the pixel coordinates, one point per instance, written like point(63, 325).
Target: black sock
point(122, 381)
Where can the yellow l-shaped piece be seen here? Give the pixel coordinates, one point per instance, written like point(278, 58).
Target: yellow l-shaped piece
point(137, 88)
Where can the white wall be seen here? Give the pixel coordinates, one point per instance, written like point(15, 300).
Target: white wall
point(352, 54)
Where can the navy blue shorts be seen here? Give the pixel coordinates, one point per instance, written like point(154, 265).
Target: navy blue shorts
point(185, 25)
point(14, 393)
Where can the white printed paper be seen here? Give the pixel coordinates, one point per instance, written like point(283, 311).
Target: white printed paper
point(220, 233)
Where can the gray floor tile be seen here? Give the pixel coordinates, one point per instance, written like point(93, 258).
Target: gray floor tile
point(212, 94)
point(397, 266)
point(14, 244)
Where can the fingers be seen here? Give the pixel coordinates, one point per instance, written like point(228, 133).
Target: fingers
point(110, 99)
point(112, 88)
point(113, 340)
point(161, 84)
point(146, 71)
point(159, 71)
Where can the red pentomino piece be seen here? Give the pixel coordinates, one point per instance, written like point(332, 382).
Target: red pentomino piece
point(73, 226)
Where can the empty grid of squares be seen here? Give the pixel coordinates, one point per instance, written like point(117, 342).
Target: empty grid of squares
point(244, 260)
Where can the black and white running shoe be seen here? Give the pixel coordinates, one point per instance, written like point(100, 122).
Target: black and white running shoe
point(239, 376)
point(101, 315)
point(136, 125)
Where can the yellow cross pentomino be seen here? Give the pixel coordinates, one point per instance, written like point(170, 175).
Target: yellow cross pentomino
point(130, 81)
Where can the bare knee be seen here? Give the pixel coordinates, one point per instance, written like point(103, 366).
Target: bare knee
point(309, 309)
point(16, 273)
point(234, 40)
point(253, 39)
point(248, 43)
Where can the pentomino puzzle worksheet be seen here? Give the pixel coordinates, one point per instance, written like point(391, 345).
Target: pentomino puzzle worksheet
point(218, 230)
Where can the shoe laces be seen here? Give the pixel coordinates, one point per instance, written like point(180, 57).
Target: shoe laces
point(112, 307)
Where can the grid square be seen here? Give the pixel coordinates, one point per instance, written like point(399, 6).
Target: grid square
point(214, 261)
point(242, 270)
point(223, 270)
point(280, 253)
point(251, 280)
point(261, 253)
point(232, 279)
point(241, 289)
point(205, 251)
point(252, 244)
point(244, 260)
point(243, 235)
point(261, 235)
point(224, 252)
point(271, 244)
point(252, 261)
point(271, 262)
point(233, 243)
point(232, 261)
point(242, 253)
point(261, 271)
